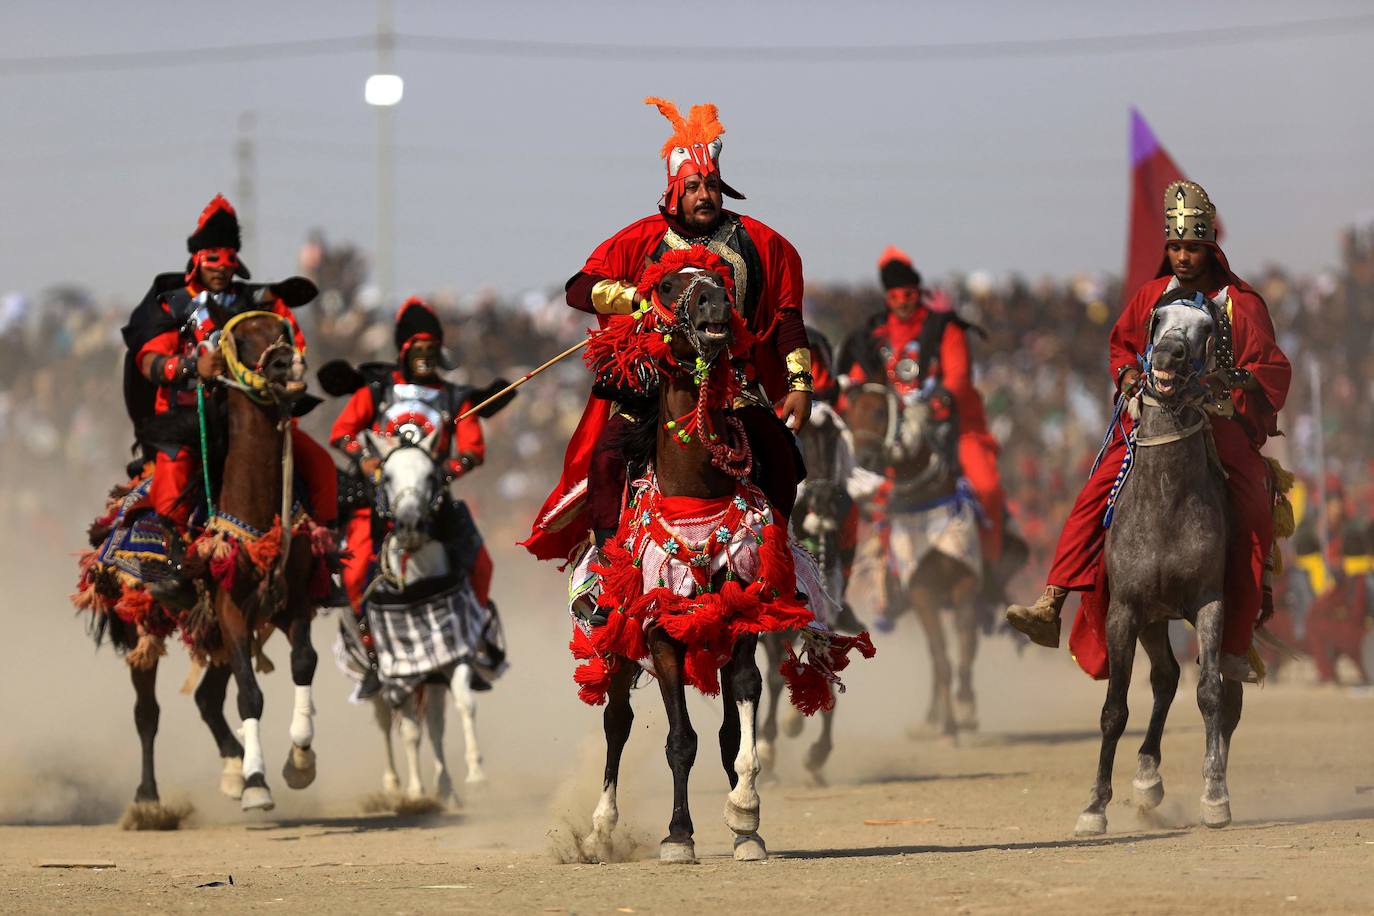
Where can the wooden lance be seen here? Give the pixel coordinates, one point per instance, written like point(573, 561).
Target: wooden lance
point(524, 378)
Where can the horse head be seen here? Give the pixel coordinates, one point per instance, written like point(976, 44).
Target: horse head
point(259, 352)
point(701, 310)
point(914, 435)
point(1182, 335)
point(411, 488)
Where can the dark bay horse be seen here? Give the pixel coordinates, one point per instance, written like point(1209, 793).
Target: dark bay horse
point(689, 469)
point(270, 585)
point(1166, 560)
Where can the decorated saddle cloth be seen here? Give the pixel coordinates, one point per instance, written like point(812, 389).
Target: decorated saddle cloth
point(949, 526)
point(705, 571)
point(425, 639)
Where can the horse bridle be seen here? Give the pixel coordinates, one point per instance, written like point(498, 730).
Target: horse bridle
point(382, 501)
point(682, 319)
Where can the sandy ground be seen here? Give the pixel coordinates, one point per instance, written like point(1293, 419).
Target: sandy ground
point(984, 826)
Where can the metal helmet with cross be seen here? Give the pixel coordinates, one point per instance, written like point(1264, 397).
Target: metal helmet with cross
point(1189, 214)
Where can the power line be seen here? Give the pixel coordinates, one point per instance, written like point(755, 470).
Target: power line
point(162, 58)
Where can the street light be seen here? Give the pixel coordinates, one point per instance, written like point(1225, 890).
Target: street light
point(383, 89)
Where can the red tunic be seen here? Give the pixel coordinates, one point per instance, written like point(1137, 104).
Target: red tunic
point(776, 321)
point(360, 413)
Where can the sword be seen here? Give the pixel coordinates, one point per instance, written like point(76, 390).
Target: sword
point(524, 378)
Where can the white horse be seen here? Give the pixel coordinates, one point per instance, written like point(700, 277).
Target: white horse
point(428, 631)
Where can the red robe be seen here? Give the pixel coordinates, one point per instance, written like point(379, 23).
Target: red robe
point(1078, 562)
point(776, 322)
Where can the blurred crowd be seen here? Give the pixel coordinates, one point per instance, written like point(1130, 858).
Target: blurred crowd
point(1041, 368)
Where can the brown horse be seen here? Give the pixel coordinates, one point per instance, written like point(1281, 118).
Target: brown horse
point(687, 469)
point(263, 386)
point(930, 561)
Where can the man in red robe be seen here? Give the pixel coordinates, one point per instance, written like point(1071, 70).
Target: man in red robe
point(767, 278)
point(1252, 376)
point(918, 338)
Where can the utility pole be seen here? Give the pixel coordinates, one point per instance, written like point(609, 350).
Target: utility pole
point(245, 185)
point(386, 42)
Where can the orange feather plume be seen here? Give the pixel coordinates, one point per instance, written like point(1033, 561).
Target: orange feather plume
point(702, 124)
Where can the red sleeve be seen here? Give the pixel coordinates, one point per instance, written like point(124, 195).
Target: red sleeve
point(168, 343)
point(1128, 335)
point(357, 416)
point(957, 374)
point(1256, 349)
point(467, 436)
point(579, 292)
point(279, 308)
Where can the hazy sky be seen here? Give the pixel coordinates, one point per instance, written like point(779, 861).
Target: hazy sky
point(510, 169)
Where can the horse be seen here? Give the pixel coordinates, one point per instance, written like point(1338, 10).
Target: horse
point(1165, 556)
point(725, 569)
point(823, 507)
point(255, 566)
point(931, 559)
point(422, 590)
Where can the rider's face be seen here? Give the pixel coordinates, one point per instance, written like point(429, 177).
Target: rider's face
point(422, 359)
point(701, 201)
point(1190, 261)
point(904, 300)
point(216, 278)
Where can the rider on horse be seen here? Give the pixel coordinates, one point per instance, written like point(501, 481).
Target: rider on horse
point(1248, 389)
point(172, 349)
point(766, 275)
point(407, 400)
point(919, 339)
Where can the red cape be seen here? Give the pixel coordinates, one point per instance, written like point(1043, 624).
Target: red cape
point(558, 528)
point(1256, 349)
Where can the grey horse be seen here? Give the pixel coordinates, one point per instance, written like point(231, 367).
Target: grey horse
point(1165, 555)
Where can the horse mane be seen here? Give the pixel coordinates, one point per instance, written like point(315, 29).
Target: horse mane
point(638, 440)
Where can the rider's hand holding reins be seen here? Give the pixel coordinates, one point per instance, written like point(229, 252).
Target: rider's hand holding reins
point(1130, 382)
point(209, 364)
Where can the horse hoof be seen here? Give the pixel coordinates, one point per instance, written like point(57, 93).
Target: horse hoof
point(674, 853)
point(741, 821)
point(299, 769)
point(1148, 795)
point(231, 777)
point(391, 785)
point(965, 716)
point(1216, 814)
point(476, 778)
point(1090, 824)
point(257, 798)
point(750, 849)
point(815, 777)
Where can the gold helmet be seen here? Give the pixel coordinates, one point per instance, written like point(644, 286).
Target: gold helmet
point(1189, 214)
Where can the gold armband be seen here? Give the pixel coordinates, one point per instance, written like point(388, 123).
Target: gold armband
point(612, 297)
point(798, 364)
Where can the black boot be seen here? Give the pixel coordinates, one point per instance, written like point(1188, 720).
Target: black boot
point(175, 591)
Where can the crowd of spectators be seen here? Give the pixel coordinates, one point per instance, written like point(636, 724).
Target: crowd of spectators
point(64, 436)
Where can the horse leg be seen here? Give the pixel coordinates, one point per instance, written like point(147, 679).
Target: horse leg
point(466, 701)
point(146, 714)
point(234, 629)
point(741, 688)
point(410, 741)
point(616, 721)
point(436, 709)
point(966, 628)
point(681, 748)
point(299, 769)
point(391, 783)
point(1164, 673)
point(1121, 638)
point(819, 753)
point(941, 714)
point(210, 701)
point(1216, 801)
point(768, 728)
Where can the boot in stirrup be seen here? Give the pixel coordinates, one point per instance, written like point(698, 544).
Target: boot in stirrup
point(1040, 621)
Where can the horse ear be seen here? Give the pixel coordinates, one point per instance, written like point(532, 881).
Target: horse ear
point(381, 445)
point(427, 443)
